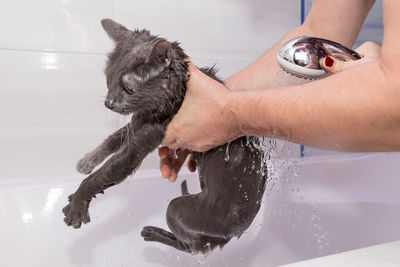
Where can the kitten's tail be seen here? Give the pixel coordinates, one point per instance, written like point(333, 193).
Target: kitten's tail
point(184, 188)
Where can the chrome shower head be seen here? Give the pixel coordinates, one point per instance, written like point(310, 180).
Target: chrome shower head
point(300, 56)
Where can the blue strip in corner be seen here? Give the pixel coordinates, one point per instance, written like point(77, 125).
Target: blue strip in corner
point(302, 17)
point(302, 11)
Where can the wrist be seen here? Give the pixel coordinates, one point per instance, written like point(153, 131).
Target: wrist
point(235, 102)
point(234, 83)
point(259, 113)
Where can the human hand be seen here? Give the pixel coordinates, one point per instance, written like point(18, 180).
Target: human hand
point(171, 162)
point(204, 120)
point(368, 51)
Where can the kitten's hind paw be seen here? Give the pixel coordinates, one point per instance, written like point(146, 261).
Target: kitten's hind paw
point(85, 165)
point(151, 233)
point(76, 212)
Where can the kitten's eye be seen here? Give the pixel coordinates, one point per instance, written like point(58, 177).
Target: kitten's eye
point(129, 90)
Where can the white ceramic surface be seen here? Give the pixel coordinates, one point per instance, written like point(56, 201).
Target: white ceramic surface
point(333, 205)
point(385, 255)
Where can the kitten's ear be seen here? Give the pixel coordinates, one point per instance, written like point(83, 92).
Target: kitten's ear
point(114, 30)
point(162, 52)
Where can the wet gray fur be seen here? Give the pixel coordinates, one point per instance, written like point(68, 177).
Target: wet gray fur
point(146, 78)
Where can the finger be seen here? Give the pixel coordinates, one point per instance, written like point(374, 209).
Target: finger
point(165, 167)
point(172, 163)
point(181, 155)
point(165, 171)
point(165, 161)
point(173, 176)
point(369, 49)
point(163, 152)
point(332, 65)
point(177, 163)
point(192, 164)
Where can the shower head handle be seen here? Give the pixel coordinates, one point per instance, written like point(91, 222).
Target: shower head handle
point(300, 56)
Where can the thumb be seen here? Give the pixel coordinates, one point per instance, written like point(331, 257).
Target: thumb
point(332, 65)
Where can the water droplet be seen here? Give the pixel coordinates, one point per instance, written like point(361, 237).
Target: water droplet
point(314, 218)
point(227, 152)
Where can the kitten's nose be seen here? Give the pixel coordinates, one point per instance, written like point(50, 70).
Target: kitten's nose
point(109, 103)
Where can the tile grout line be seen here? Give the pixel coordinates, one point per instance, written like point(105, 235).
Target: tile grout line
point(50, 51)
point(105, 53)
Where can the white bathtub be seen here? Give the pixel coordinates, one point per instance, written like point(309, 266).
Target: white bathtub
point(53, 116)
point(51, 112)
point(336, 203)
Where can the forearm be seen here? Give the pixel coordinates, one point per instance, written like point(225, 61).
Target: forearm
point(356, 110)
point(337, 20)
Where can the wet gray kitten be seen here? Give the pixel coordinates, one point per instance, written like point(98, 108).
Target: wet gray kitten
point(146, 77)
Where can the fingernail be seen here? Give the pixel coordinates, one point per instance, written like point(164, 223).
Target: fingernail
point(329, 61)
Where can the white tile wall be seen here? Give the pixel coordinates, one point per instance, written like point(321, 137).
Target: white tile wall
point(212, 29)
point(240, 29)
point(52, 55)
point(60, 25)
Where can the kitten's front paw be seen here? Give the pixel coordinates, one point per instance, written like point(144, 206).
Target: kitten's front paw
point(150, 233)
point(85, 165)
point(76, 212)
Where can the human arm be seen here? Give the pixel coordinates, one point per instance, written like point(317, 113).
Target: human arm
point(354, 110)
point(347, 16)
point(338, 20)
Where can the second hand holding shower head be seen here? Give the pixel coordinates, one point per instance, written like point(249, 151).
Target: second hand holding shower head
point(300, 56)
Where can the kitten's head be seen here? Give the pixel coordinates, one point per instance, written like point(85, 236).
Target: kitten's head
point(142, 70)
